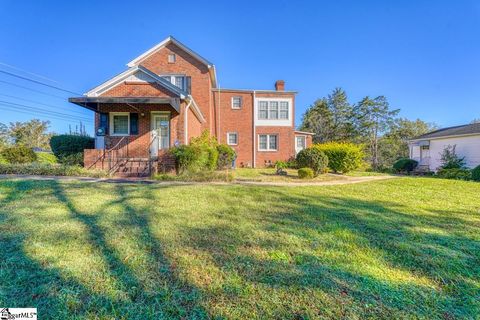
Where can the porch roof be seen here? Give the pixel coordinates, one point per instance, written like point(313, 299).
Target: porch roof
point(92, 103)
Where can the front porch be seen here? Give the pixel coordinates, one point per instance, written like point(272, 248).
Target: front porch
point(133, 135)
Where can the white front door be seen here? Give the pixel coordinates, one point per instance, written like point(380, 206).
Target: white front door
point(160, 132)
point(300, 143)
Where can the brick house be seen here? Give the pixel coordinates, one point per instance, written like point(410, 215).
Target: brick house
point(170, 94)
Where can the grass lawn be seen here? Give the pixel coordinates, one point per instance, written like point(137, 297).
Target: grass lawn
point(392, 249)
point(268, 175)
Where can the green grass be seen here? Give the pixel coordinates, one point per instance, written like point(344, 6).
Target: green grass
point(268, 175)
point(391, 249)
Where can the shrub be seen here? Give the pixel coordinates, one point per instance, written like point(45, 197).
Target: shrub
point(292, 163)
point(314, 159)
point(200, 154)
point(226, 155)
point(67, 144)
point(405, 165)
point(50, 170)
point(454, 173)
point(305, 173)
point(19, 154)
point(2, 160)
point(74, 159)
point(450, 159)
point(46, 157)
point(280, 165)
point(476, 173)
point(342, 157)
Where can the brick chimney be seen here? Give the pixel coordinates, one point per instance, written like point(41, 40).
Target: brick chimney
point(280, 85)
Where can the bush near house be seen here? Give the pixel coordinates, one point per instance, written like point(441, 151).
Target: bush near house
point(46, 157)
point(455, 173)
point(226, 155)
point(67, 145)
point(405, 165)
point(314, 159)
point(476, 173)
point(306, 173)
point(18, 154)
point(342, 157)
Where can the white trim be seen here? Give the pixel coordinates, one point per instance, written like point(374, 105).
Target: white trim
point(447, 137)
point(241, 102)
point(304, 140)
point(274, 122)
point(228, 138)
point(111, 126)
point(152, 125)
point(268, 142)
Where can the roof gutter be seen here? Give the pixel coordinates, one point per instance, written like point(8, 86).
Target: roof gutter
point(446, 137)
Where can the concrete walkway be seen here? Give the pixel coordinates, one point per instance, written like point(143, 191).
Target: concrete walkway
point(343, 180)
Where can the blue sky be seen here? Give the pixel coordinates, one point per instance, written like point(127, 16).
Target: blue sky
point(423, 55)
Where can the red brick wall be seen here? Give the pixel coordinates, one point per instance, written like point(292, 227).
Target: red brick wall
point(286, 145)
point(185, 64)
point(129, 89)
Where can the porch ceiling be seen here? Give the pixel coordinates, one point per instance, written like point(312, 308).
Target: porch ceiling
point(92, 103)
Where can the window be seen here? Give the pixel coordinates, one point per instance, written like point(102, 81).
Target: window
point(232, 138)
point(176, 80)
point(273, 110)
point(267, 142)
point(300, 142)
point(172, 58)
point(284, 110)
point(120, 124)
point(263, 110)
point(236, 102)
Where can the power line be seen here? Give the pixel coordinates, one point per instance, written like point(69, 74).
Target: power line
point(30, 89)
point(7, 108)
point(33, 101)
point(38, 82)
point(28, 108)
point(31, 73)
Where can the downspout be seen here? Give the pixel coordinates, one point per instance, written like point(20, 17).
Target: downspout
point(218, 109)
point(254, 140)
point(185, 119)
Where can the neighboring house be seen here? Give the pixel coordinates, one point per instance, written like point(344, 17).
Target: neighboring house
point(427, 148)
point(170, 94)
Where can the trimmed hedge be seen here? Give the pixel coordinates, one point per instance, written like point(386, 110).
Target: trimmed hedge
point(50, 170)
point(455, 173)
point(342, 157)
point(19, 154)
point(476, 173)
point(66, 144)
point(405, 165)
point(314, 159)
point(306, 173)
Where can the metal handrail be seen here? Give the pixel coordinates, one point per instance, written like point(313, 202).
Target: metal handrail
point(110, 152)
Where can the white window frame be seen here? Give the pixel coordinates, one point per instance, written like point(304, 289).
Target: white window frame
point(173, 77)
point(268, 141)
point(111, 125)
point(228, 138)
point(241, 102)
point(174, 56)
point(277, 121)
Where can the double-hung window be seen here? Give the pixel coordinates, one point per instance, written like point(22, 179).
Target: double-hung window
point(236, 102)
point(267, 142)
point(120, 124)
point(232, 138)
point(176, 80)
point(273, 110)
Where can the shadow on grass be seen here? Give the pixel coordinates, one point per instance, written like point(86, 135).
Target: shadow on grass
point(158, 294)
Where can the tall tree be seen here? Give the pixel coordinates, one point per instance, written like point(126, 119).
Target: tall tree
point(374, 118)
point(330, 118)
point(31, 134)
point(394, 144)
point(4, 138)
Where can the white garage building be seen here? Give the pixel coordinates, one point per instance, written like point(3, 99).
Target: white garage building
point(427, 149)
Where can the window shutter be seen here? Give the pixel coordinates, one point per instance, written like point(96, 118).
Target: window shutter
point(104, 123)
point(133, 123)
point(189, 85)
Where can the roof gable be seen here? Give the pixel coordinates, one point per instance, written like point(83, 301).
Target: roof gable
point(136, 73)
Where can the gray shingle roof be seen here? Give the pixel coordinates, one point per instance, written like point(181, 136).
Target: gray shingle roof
point(452, 131)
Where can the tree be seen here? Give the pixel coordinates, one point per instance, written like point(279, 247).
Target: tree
point(393, 145)
point(330, 118)
point(374, 118)
point(450, 159)
point(31, 134)
point(4, 138)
